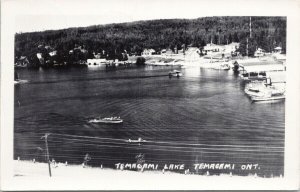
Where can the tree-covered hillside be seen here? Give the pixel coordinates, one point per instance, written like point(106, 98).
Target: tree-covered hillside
point(113, 39)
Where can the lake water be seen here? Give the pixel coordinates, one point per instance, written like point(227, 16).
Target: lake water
point(202, 117)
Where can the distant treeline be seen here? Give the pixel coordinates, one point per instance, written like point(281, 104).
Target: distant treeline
point(113, 39)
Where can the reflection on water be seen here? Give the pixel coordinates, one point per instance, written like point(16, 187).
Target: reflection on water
point(202, 117)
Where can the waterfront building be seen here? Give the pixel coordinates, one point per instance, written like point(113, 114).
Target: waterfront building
point(148, 52)
point(166, 52)
point(231, 48)
point(277, 50)
point(96, 62)
point(211, 48)
point(192, 53)
point(259, 52)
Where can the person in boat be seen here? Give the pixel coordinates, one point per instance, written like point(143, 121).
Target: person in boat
point(236, 66)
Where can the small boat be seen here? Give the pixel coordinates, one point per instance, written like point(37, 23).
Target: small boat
point(108, 120)
point(255, 88)
point(269, 99)
point(139, 140)
point(223, 66)
point(175, 73)
point(20, 81)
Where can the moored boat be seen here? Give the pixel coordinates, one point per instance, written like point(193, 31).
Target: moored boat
point(269, 99)
point(255, 88)
point(175, 73)
point(20, 81)
point(17, 80)
point(223, 66)
point(261, 89)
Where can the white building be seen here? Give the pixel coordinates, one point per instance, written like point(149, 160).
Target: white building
point(211, 48)
point(232, 47)
point(277, 49)
point(192, 53)
point(259, 52)
point(53, 53)
point(148, 52)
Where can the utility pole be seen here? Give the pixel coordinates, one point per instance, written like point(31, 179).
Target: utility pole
point(250, 28)
point(247, 48)
point(47, 151)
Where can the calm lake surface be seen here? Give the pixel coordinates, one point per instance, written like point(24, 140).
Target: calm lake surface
point(202, 117)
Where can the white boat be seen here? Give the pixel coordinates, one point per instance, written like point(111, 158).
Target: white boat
point(139, 140)
point(261, 89)
point(108, 120)
point(20, 81)
point(269, 96)
point(223, 66)
point(255, 88)
point(175, 73)
point(268, 99)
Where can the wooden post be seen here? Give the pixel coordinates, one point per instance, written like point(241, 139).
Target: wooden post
point(47, 152)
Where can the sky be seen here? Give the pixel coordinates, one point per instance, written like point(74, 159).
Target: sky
point(65, 14)
point(39, 15)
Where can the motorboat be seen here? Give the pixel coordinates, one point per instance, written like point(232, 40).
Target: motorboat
point(276, 98)
point(175, 73)
point(17, 80)
point(108, 120)
point(139, 140)
point(255, 88)
point(269, 97)
point(260, 89)
point(223, 66)
point(20, 81)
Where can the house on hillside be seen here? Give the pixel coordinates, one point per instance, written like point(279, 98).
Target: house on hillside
point(259, 52)
point(97, 56)
point(166, 52)
point(211, 48)
point(53, 53)
point(22, 62)
point(232, 47)
point(148, 52)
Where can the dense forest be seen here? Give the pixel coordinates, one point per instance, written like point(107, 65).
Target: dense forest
point(114, 39)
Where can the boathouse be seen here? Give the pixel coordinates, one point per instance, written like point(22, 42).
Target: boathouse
point(96, 62)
